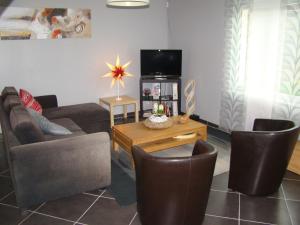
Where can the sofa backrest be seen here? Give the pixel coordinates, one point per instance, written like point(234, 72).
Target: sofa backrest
point(10, 102)
point(10, 140)
point(8, 91)
point(18, 127)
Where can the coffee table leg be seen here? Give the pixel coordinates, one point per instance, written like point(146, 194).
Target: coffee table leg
point(125, 111)
point(202, 135)
point(136, 113)
point(116, 146)
point(132, 162)
point(116, 149)
point(112, 122)
point(131, 159)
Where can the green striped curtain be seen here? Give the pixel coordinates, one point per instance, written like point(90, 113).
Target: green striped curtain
point(233, 105)
point(287, 101)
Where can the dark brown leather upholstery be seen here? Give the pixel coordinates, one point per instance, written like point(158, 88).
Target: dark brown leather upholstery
point(259, 158)
point(174, 191)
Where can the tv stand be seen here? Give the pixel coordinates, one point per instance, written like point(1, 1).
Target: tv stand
point(160, 90)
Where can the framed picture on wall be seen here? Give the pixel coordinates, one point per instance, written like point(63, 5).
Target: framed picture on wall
point(18, 23)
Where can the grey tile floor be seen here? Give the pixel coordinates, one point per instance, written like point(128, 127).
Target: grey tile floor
point(100, 208)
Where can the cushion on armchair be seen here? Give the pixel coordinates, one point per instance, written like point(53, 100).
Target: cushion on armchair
point(24, 127)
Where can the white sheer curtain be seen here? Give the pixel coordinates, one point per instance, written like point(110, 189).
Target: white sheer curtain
point(269, 63)
point(262, 59)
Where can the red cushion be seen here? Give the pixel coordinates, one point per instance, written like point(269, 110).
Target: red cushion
point(29, 101)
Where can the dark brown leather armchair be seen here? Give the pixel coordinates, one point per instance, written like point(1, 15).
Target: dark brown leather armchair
point(174, 191)
point(259, 158)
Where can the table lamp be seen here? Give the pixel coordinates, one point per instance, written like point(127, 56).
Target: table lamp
point(117, 73)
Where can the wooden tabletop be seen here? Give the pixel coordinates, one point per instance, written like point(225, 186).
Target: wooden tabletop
point(113, 100)
point(138, 133)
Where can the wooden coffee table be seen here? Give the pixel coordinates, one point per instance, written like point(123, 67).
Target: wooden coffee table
point(127, 135)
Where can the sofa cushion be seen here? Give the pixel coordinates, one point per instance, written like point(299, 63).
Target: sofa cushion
point(24, 127)
point(8, 91)
point(11, 101)
point(91, 117)
point(47, 126)
point(80, 111)
point(68, 123)
point(29, 101)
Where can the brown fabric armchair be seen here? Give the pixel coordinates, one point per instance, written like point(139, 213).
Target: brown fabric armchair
point(259, 158)
point(174, 191)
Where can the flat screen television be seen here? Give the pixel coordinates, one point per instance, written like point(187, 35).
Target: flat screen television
point(161, 63)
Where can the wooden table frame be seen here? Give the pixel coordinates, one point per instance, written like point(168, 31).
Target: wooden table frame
point(294, 164)
point(111, 102)
point(159, 140)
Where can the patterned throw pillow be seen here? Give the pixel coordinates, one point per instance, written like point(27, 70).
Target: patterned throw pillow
point(29, 101)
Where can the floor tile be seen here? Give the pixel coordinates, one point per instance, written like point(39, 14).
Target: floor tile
point(136, 221)
point(70, 208)
point(278, 194)
point(37, 219)
point(294, 208)
point(291, 175)
point(96, 192)
point(6, 186)
point(108, 195)
point(6, 173)
point(220, 182)
point(267, 210)
point(291, 189)
point(10, 199)
point(10, 215)
point(223, 204)
point(108, 212)
point(250, 223)
point(210, 220)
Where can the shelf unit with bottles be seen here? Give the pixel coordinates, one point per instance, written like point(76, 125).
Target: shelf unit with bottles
point(161, 91)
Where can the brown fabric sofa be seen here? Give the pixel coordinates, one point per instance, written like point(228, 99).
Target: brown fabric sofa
point(47, 167)
point(90, 117)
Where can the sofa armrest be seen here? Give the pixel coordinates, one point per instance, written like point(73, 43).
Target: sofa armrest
point(53, 169)
point(47, 101)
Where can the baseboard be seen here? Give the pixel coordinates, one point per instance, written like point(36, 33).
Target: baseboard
point(212, 128)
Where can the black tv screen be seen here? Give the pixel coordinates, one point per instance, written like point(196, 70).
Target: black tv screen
point(161, 63)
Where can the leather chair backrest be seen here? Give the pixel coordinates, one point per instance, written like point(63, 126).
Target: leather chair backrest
point(259, 158)
point(272, 125)
point(174, 190)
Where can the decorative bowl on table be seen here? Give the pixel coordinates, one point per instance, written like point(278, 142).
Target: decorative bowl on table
point(157, 121)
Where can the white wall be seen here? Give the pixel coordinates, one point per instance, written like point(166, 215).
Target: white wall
point(197, 27)
point(72, 68)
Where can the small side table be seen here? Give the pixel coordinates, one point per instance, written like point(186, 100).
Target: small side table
point(111, 102)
